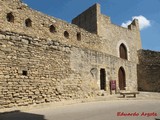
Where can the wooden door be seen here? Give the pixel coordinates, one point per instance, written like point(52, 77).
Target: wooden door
point(122, 79)
point(123, 51)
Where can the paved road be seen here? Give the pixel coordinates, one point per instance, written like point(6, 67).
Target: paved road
point(106, 110)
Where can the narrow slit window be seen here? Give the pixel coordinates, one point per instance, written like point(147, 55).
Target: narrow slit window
point(78, 36)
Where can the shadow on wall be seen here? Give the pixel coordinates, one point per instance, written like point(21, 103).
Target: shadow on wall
point(18, 115)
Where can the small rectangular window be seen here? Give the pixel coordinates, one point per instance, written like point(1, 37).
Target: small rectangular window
point(24, 72)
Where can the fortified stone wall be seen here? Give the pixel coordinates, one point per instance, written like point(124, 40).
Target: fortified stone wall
point(116, 35)
point(38, 72)
point(88, 60)
point(48, 71)
point(112, 36)
point(44, 59)
point(40, 26)
point(149, 71)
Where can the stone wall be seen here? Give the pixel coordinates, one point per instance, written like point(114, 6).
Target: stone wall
point(111, 35)
point(35, 71)
point(149, 71)
point(44, 59)
point(41, 26)
point(88, 19)
point(41, 23)
point(38, 71)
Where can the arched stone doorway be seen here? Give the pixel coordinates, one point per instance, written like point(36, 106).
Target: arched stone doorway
point(122, 78)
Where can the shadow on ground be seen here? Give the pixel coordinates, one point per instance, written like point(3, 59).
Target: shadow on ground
point(126, 97)
point(18, 115)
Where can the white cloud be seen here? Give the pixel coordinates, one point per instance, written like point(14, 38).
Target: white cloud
point(143, 22)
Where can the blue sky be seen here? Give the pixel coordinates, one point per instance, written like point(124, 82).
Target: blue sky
point(120, 11)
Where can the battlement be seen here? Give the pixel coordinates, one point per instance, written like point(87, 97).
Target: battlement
point(93, 21)
point(88, 19)
point(134, 25)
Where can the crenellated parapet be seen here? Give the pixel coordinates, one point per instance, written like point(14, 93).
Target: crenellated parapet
point(134, 25)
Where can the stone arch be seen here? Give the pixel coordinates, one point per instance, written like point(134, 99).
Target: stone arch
point(126, 46)
point(10, 17)
point(94, 72)
point(122, 78)
point(123, 53)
